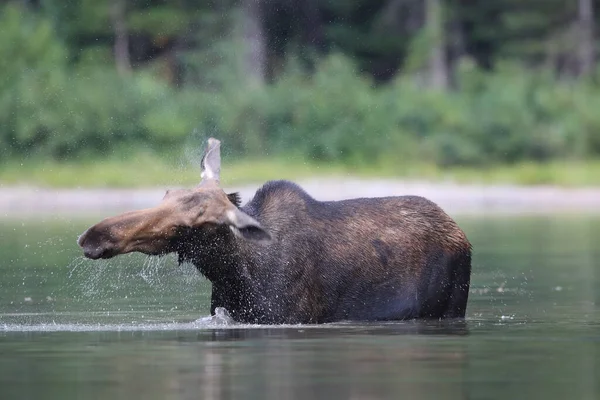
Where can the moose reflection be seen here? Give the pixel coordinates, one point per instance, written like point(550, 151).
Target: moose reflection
point(285, 257)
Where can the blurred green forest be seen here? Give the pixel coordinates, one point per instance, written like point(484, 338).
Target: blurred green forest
point(451, 83)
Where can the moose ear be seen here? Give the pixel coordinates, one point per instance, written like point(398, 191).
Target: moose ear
point(235, 198)
point(211, 161)
point(245, 226)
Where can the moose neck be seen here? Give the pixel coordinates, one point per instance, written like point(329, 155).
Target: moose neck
point(228, 265)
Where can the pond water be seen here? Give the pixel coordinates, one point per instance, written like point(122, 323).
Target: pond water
point(128, 327)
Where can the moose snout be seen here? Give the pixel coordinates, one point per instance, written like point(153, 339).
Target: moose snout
point(95, 245)
point(94, 252)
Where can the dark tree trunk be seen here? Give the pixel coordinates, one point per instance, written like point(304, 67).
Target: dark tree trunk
point(438, 65)
point(456, 43)
point(254, 41)
point(121, 47)
point(312, 24)
point(586, 37)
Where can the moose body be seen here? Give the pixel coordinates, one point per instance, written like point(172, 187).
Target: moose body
point(287, 258)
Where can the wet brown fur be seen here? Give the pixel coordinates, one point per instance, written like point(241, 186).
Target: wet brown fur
point(328, 259)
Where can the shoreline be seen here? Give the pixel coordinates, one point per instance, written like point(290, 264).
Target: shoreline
point(454, 198)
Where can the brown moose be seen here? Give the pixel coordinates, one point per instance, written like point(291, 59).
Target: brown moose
point(285, 257)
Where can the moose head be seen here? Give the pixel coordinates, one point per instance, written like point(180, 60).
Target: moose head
point(164, 228)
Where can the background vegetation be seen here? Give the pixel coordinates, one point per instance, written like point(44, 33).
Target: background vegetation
point(361, 83)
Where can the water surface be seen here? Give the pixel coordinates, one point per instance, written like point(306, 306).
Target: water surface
point(129, 327)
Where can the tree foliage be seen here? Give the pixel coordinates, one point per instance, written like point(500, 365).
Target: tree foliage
point(345, 81)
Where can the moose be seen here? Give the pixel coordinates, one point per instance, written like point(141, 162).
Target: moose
point(286, 258)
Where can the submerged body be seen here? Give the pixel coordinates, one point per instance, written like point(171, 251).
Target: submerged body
point(285, 257)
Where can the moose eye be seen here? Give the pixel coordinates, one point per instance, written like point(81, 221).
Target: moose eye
point(167, 194)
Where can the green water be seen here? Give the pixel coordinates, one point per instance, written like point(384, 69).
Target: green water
point(126, 328)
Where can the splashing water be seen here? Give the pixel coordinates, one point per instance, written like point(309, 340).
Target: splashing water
point(221, 317)
point(151, 272)
point(132, 289)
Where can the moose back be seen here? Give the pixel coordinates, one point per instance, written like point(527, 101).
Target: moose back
point(285, 257)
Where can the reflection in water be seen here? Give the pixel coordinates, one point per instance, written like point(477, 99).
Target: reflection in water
point(354, 366)
point(273, 363)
